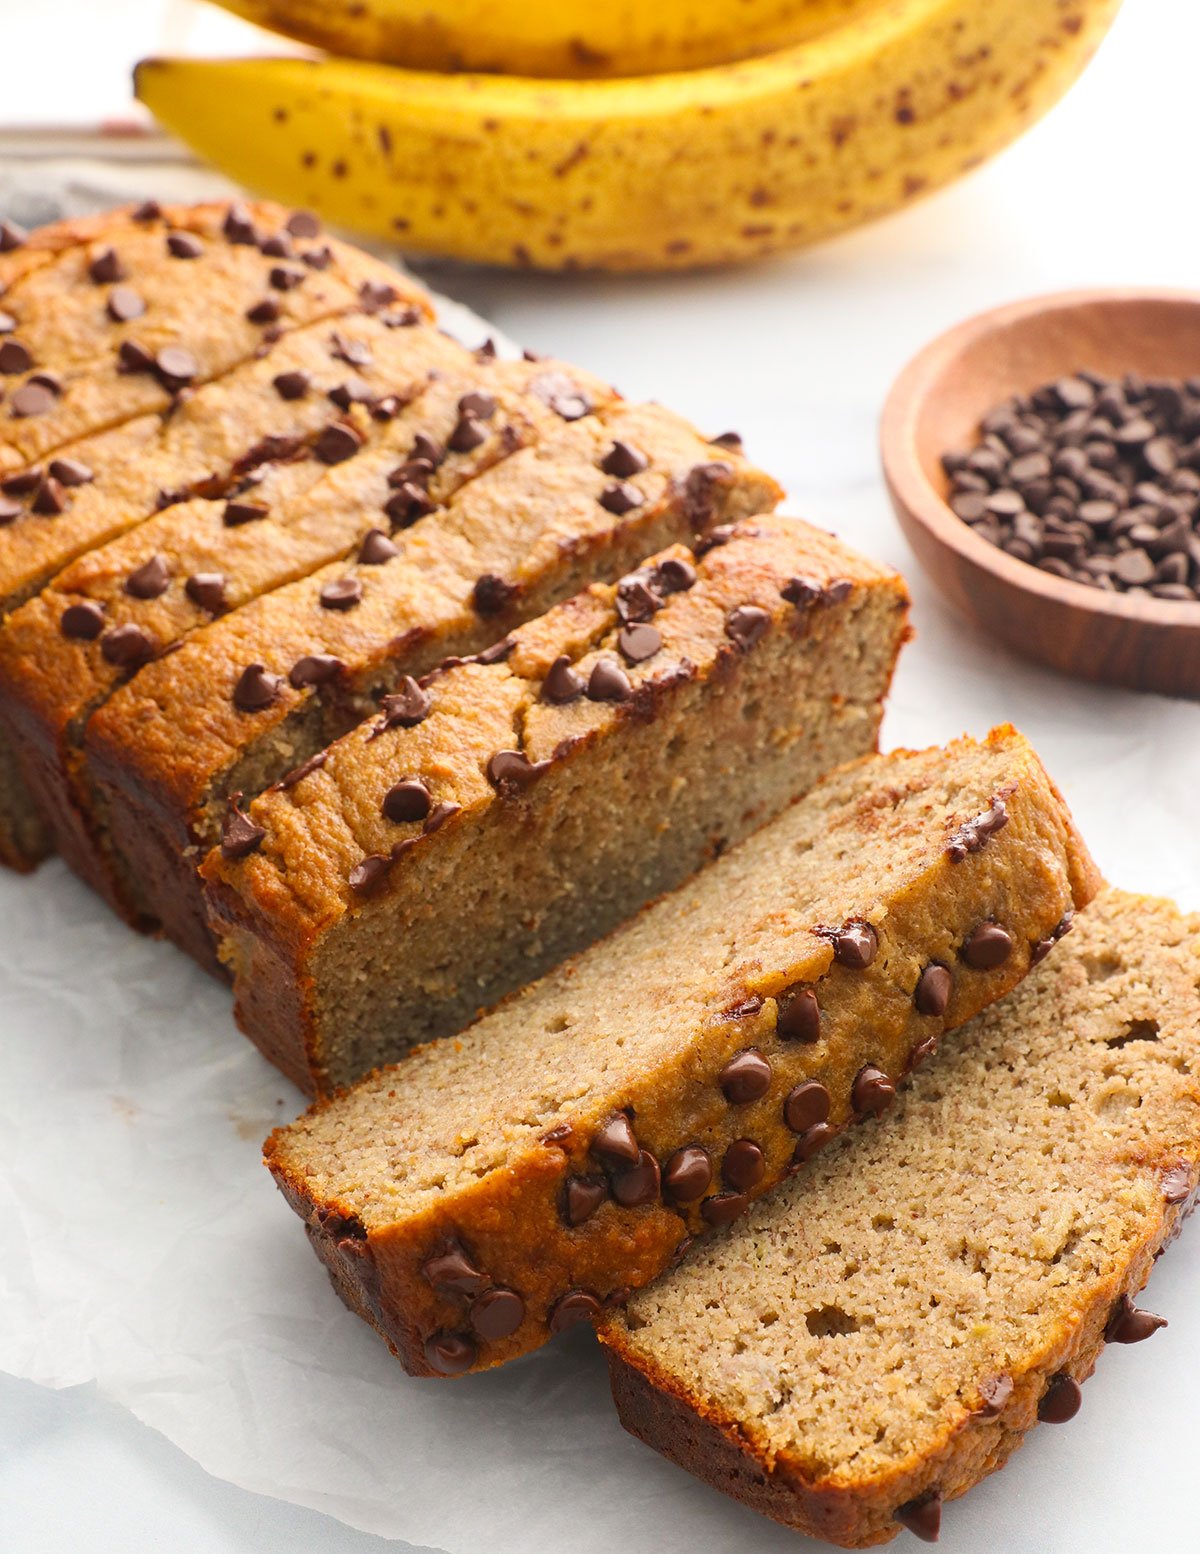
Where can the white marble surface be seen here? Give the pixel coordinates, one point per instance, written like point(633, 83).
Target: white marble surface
point(797, 354)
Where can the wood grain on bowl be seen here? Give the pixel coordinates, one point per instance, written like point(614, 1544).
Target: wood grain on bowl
point(936, 405)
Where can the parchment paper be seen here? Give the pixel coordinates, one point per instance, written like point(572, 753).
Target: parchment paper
point(144, 1249)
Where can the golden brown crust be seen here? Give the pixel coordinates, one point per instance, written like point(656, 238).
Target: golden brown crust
point(969, 1438)
point(511, 1219)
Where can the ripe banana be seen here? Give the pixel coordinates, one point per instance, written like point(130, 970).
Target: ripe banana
point(566, 38)
point(661, 172)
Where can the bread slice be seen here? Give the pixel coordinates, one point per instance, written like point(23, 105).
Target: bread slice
point(741, 700)
point(146, 591)
point(236, 707)
point(114, 316)
point(496, 1187)
point(880, 1334)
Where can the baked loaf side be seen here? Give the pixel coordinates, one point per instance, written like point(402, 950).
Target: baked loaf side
point(130, 601)
point(623, 739)
point(115, 316)
point(234, 709)
point(883, 1332)
point(492, 1189)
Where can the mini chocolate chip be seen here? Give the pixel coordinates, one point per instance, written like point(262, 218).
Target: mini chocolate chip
point(582, 1196)
point(873, 1092)
point(338, 442)
point(239, 227)
point(150, 580)
point(496, 654)
point(22, 483)
point(747, 625)
point(806, 1105)
point(264, 312)
point(303, 223)
point(513, 769)
point(50, 499)
point(479, 404)
point(238, 511)
point(636, 599)
point(922, 1516)
point(408, 503)
point(128, 647)
point(406, 800)
point(291, 385)
point(376, 549)
point(182, 245)
point(148, 210)
point(972, 835)
point(207, 589)
point(369, 873)
point(133, 357)
point(987, 947)
point(688, 1173)
point(353, 392)
point(620, 498)
point(1128, 1324)
point(638, 642)
point(608, 682)
point(239, 836)
point(746, 1077)
point(798, 1015)
point(1043, 947)
point(623, 460)
point(1061, 1399)
point(724, 1208)
point(933, 990)
point(674, 575)
point(70, 472)
point(636, 1185)
point(314, 669)
point(285, 278)
point(467, 435)
point(558, 1134)
point(491, 594)
point(341, 594)
point(1177, 1184)
point(993, 1395)
point(615, 1143)
point(438, 816)
point(572, 1308)
point(256, 688)
point(106, 267)
point(31, 399)
point(11, 236)
point(744, 1165)
point(562, 684)
point(376, 294)
point(305, 769)
point(84, 622)
point(811, 1141)
point(356, 353)
point(497, 1313)
point(278, 246)
point(855, 945)
point(561, 394)
point(404, 708)
point(175, 364)
point(15, 357)
point(923, 1051)
point(730, 440)
point(449, 1354)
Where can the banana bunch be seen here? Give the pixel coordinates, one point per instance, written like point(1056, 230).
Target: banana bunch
point(878, 102)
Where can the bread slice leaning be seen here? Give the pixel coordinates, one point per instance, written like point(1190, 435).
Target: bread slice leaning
point(496, 1187)
point(881, 1334)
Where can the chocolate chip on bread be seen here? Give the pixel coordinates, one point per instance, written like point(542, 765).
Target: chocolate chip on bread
point(500, 815)
point(138, 597)
point(563, 1149)
point(124, 314)
point(237, 706)
point(881, 1333)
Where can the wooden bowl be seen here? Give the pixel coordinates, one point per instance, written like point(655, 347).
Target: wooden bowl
point(936, 405)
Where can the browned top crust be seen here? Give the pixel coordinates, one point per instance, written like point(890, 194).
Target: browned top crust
point(117, 316)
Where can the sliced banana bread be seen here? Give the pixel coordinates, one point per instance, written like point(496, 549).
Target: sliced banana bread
point(248, 698)
point(132, 600)
point(623, 739)
point(882, 1332)
point(111, 316)
point(496, 1187)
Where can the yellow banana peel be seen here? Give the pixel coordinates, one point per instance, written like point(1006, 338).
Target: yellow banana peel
point(659, 172)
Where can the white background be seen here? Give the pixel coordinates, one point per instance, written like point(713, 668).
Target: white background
point(797, 354)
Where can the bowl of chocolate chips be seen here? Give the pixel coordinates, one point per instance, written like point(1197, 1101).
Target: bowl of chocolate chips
point(1044, 462)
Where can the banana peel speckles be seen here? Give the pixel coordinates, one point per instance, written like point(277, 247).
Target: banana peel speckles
point(661, 172)
point(565, 38)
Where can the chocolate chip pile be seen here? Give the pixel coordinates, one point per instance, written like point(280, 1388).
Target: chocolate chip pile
point(1094, 479)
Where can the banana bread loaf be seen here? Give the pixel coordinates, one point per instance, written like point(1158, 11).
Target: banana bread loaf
point(249, 697)
point(112, 316)
point(622, 740)
point(882, 1332)
point(496, 1187)
point(132, 600)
